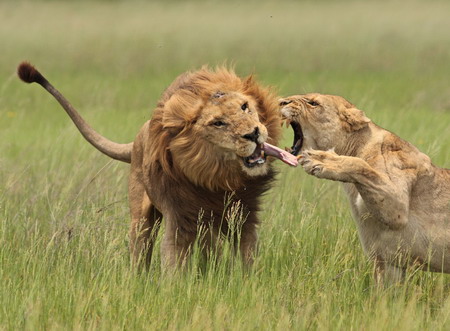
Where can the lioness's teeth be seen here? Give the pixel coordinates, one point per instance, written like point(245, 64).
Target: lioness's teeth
point(288, 122)
point(262, 154)
point(299, 157)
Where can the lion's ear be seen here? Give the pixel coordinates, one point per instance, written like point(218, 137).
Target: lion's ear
point(353, 119)
point(180, 110)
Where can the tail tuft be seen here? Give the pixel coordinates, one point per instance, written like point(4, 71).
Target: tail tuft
point(29, 74)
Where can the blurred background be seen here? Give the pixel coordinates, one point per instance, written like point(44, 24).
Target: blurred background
point(391, 58)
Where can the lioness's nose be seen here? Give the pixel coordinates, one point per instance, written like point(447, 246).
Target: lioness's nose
point(284, 102)
point(252, 136)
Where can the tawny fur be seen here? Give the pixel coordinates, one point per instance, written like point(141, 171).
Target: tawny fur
point(187, 162)
point(399, 199)
point(187, 167)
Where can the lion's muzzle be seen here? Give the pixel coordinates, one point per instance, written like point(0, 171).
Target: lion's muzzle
point(252, 136)
point(258, 157)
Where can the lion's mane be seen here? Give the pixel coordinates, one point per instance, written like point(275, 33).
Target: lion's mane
point(170, 128)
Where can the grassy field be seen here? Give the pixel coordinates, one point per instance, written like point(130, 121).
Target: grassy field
point(64, 260)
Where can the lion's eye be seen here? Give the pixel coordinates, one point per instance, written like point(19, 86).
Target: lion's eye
point(219, 123)
point(312, 103)
point(244, 107)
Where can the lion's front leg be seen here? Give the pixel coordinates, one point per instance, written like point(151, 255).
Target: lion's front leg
point(176, 246)
point(248, 244)
point(386, 274)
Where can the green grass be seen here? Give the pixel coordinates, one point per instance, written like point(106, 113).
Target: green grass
point(64, 260)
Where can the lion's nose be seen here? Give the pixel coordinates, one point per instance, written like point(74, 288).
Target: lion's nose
point(284, 102)
point(252, 136)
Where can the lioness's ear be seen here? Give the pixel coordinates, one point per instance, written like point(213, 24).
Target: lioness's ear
point(353, 119)
point(180, 110)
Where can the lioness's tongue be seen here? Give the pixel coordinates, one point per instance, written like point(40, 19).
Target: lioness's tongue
point(284, 156)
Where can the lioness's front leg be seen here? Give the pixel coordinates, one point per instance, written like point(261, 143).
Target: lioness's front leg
point(387, 200)
point(329, 165)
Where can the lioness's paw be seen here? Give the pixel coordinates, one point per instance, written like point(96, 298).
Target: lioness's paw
point(311, 162)
point(319, 163)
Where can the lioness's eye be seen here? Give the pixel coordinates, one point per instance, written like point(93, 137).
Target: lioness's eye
point(312, 103)
point(219, 123)
point(244, 106)
point(285, 102)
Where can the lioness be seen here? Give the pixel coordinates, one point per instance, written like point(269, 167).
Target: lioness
point(204, 144)
point(399, 199)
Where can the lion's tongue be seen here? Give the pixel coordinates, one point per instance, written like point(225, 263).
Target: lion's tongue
point(284, 156)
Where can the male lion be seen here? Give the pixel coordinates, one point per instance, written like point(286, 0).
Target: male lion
point(399, 199)
point(204, 144)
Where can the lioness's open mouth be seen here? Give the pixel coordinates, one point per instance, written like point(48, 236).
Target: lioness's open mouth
point(298, 138)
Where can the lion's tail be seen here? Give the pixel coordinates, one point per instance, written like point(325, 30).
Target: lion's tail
point(121, 152)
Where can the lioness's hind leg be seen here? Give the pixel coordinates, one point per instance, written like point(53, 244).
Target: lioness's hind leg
point(145, 223)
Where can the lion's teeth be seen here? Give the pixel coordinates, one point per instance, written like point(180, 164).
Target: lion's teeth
point(288, 122)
